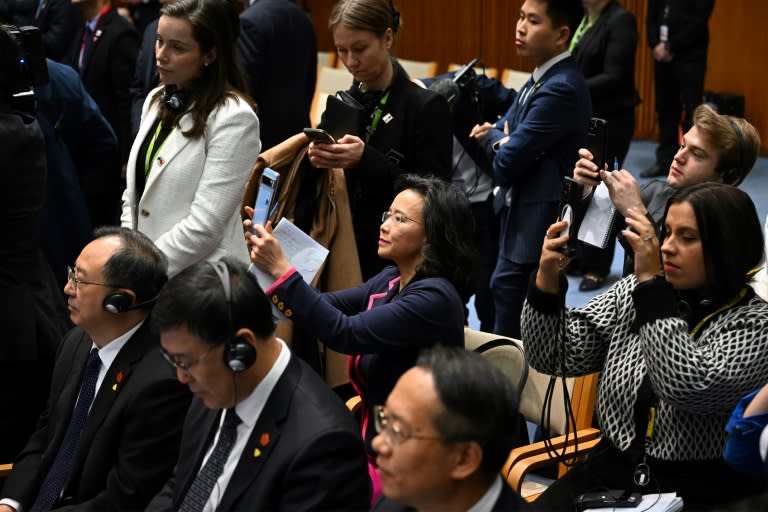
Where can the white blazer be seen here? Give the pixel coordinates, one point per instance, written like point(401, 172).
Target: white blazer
point(191, 202)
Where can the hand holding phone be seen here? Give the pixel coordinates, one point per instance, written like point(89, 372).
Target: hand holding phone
point(319, 135)
point(570, 209)
point(265, 197)
point(597, 141)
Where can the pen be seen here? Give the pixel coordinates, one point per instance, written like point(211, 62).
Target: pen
point(615, 163)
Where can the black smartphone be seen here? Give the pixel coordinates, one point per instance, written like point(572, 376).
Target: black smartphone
point(319, 135)
point(570, 209)
point(265, 197)
point(597, 141)
point(608, 499)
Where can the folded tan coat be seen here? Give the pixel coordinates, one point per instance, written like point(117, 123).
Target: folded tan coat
point(331, 227)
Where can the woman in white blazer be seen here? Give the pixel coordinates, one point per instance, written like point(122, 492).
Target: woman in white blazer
point(198, 139)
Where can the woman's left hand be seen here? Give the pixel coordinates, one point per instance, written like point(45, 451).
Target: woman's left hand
point(552, 261)
point(263, 248)
point(345, 154)
point(642, 237)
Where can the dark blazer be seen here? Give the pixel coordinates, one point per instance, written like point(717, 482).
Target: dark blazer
point(606, 56)
point(145, 77)
point(130, 440)
point(688, 26)
point(277, 51)
point(416, 139)
point(108, 72)
point(372, 319)
point(545, 133)
point(58, 21)
point(79, 145)
point(32, 310)
point(313, 458)
point(509, 501)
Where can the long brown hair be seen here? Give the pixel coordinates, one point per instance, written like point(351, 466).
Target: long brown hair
point(215, 25)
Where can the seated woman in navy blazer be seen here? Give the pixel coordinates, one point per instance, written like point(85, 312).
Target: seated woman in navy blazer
point(384, 322)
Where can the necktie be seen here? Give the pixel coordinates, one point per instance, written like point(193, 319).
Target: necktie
point(57, 475)
point(526, 91)
point(85, 47)
point(201, 488)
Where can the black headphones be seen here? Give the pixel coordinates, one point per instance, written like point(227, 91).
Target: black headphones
point(395, 17)
point(239, 355)
point(173, 98)
point(120, 302)
point(735, 175)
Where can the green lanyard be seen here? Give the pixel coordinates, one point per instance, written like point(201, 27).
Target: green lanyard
point(151, 151)
point(583, 27)
point(378, 112)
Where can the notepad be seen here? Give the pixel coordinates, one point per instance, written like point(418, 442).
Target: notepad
point(599, 219)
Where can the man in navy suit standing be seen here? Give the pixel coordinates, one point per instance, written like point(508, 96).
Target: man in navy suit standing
point(533, 146)
point(277, 51)
point(264, 431)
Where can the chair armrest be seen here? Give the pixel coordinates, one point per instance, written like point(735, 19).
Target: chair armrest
point(524, 459)
point(5, 469)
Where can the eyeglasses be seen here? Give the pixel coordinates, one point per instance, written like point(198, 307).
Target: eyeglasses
point(177, 362)
point(76, 281)
point(399, 218)
point(392, 433)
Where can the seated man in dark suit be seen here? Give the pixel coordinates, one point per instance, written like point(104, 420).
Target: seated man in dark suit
point(444, 434)
point(264, 431)
point(110, 434)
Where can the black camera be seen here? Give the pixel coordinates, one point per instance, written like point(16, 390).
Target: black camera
point(30, 68)
point(466, 75)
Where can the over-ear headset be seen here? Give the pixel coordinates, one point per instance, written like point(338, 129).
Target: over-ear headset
point(173, 98)
point(239, 355)
point(735, 175)
point(120, 302)
point(395, 17)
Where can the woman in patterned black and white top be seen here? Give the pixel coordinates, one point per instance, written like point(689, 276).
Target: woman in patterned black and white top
point(686, 341)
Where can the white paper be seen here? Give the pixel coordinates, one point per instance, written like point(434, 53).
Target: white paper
point(304, 253)
point(598, 219)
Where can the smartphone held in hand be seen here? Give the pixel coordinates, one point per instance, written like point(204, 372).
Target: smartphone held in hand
point(265, 197)
point(597, 141)
point(319, 135)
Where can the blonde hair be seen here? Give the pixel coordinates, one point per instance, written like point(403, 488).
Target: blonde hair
point(370, 15)
point(736, 139)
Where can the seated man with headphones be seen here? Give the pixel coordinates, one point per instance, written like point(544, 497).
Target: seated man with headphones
point(263, 432)
point(110, 433)
point(718, 148)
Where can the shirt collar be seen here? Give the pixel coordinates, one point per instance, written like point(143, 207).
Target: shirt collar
point(249, 409)
point(109, 352)
point(541, 70)
point(489, 499)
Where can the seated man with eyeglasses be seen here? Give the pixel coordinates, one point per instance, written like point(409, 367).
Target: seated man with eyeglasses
point(110, 433)
point(444, 434)
point(264, 432)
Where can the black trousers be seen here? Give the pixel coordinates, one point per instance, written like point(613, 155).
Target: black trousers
point(679, 87)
